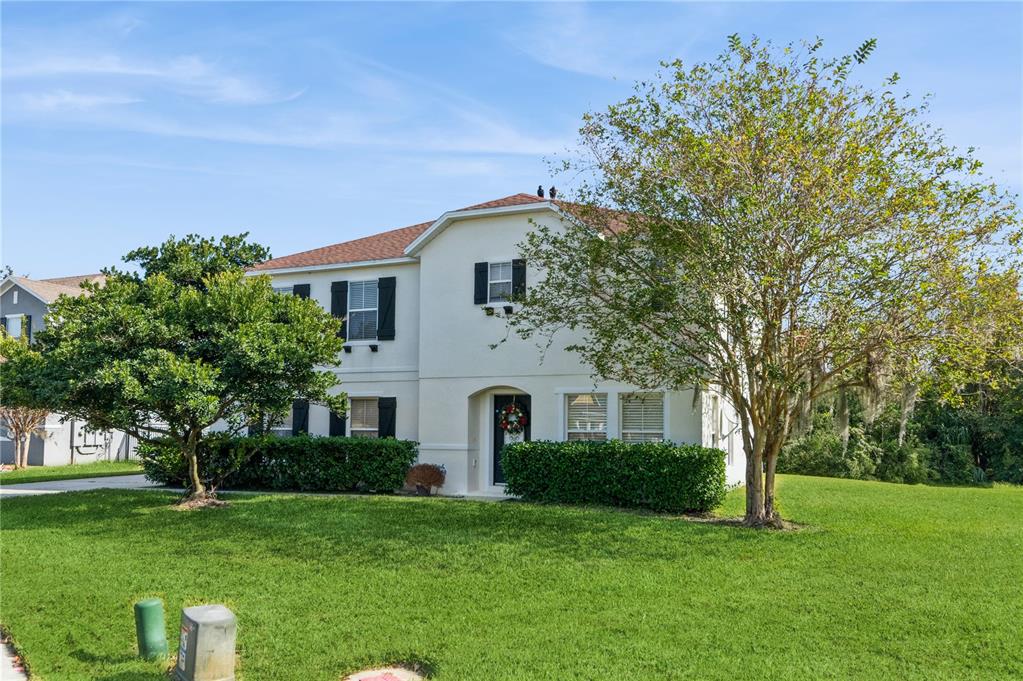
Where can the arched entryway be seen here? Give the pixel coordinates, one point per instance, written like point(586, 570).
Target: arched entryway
point(487, 437)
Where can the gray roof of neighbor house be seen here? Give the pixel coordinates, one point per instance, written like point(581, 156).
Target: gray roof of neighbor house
point(49, 290)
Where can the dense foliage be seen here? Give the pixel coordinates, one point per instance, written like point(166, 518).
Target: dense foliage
point(301, 463)
point(656, 475)
point(975, 439)
point(188, 341)
point(767, 226)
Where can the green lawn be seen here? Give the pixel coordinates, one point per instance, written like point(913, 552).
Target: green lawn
point(888, 582)
point(99, 469)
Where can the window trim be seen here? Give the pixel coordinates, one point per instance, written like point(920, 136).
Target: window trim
point(376, 310)
point(568, 430)
point(622, 398)
point(491, 281)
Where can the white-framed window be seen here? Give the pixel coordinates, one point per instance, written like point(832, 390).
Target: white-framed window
point(586, 416)
point(288, 290)
point(14, 322)
point(364, 414)
point(499, 285)
point(642, 417)
point(362, 310)
point(14, 297)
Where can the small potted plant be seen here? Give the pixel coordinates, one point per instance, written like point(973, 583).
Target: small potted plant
point(425, 477)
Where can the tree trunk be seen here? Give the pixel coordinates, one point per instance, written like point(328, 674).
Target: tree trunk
point(770, 512)
point(755, 484)
point(21, 452)
point(191, 447)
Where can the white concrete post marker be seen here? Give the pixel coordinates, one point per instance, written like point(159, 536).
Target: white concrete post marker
point(206, 650)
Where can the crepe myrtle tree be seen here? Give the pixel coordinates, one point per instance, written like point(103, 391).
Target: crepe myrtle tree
point(186, 342)
point(19, 414)
point(764, 227)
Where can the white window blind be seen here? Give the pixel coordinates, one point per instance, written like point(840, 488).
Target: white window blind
point(365, 417)
point(14, 325)
point(362, 310)
point(500, 283)
point(587, 416)
point(643, 417)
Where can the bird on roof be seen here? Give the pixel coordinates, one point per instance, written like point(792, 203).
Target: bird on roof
point(553, 192)
point(539, 191)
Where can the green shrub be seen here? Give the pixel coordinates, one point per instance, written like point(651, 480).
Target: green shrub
point(302, 463)
point(821, 453)
point(657, 476)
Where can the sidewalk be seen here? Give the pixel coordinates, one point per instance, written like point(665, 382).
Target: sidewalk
point(136, 481)
point(8, 670)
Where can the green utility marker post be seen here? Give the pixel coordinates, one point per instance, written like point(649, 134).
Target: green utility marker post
point(150, 629)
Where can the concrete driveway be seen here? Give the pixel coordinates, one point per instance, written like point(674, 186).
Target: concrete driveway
point(80, 485)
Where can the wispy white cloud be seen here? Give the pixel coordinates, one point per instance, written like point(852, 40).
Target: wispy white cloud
point(76, 101)
point(188, 74)
point(616, 42)
point(379, 106)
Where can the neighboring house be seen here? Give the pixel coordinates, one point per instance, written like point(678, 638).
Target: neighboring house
point(419, 362)
point(23, 306)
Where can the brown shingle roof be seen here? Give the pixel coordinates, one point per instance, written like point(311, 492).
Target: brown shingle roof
point(392, 244)
point(513, 200)
point(382, 246)
point(377, 247)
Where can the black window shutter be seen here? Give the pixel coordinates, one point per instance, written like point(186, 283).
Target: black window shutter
point(337, 425)
point(386, 406)
point(339, 302)
point(518, 279)
point(385, 308)
point(3, 320)
point(301, 290)
point(299, 417)
point(482, 272)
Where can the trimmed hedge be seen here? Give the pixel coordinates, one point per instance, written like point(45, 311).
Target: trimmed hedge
point(300, 463)
point(655, 475)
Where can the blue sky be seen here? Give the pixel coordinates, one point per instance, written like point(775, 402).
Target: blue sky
point(310, 124)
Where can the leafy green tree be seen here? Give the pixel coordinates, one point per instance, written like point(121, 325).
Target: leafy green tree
point(188, 341)
point(764, 227)
point(19, 413)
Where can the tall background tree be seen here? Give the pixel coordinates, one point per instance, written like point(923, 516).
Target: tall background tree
point(184, 343)
point(765, 227)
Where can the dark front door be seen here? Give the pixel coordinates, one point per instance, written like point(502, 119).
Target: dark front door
point(500, 437)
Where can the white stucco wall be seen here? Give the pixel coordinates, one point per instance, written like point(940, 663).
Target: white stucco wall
point(442, 369)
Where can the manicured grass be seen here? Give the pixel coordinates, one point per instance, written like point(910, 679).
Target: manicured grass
point(887, 582)
point(100, 469)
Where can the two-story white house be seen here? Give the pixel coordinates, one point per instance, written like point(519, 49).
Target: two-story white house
point(419, 363)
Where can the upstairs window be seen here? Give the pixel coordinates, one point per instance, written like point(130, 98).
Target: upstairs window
point(500, 282)
point(643, 417)
point(587, 416)
point(365, 417)
point(362, 310)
